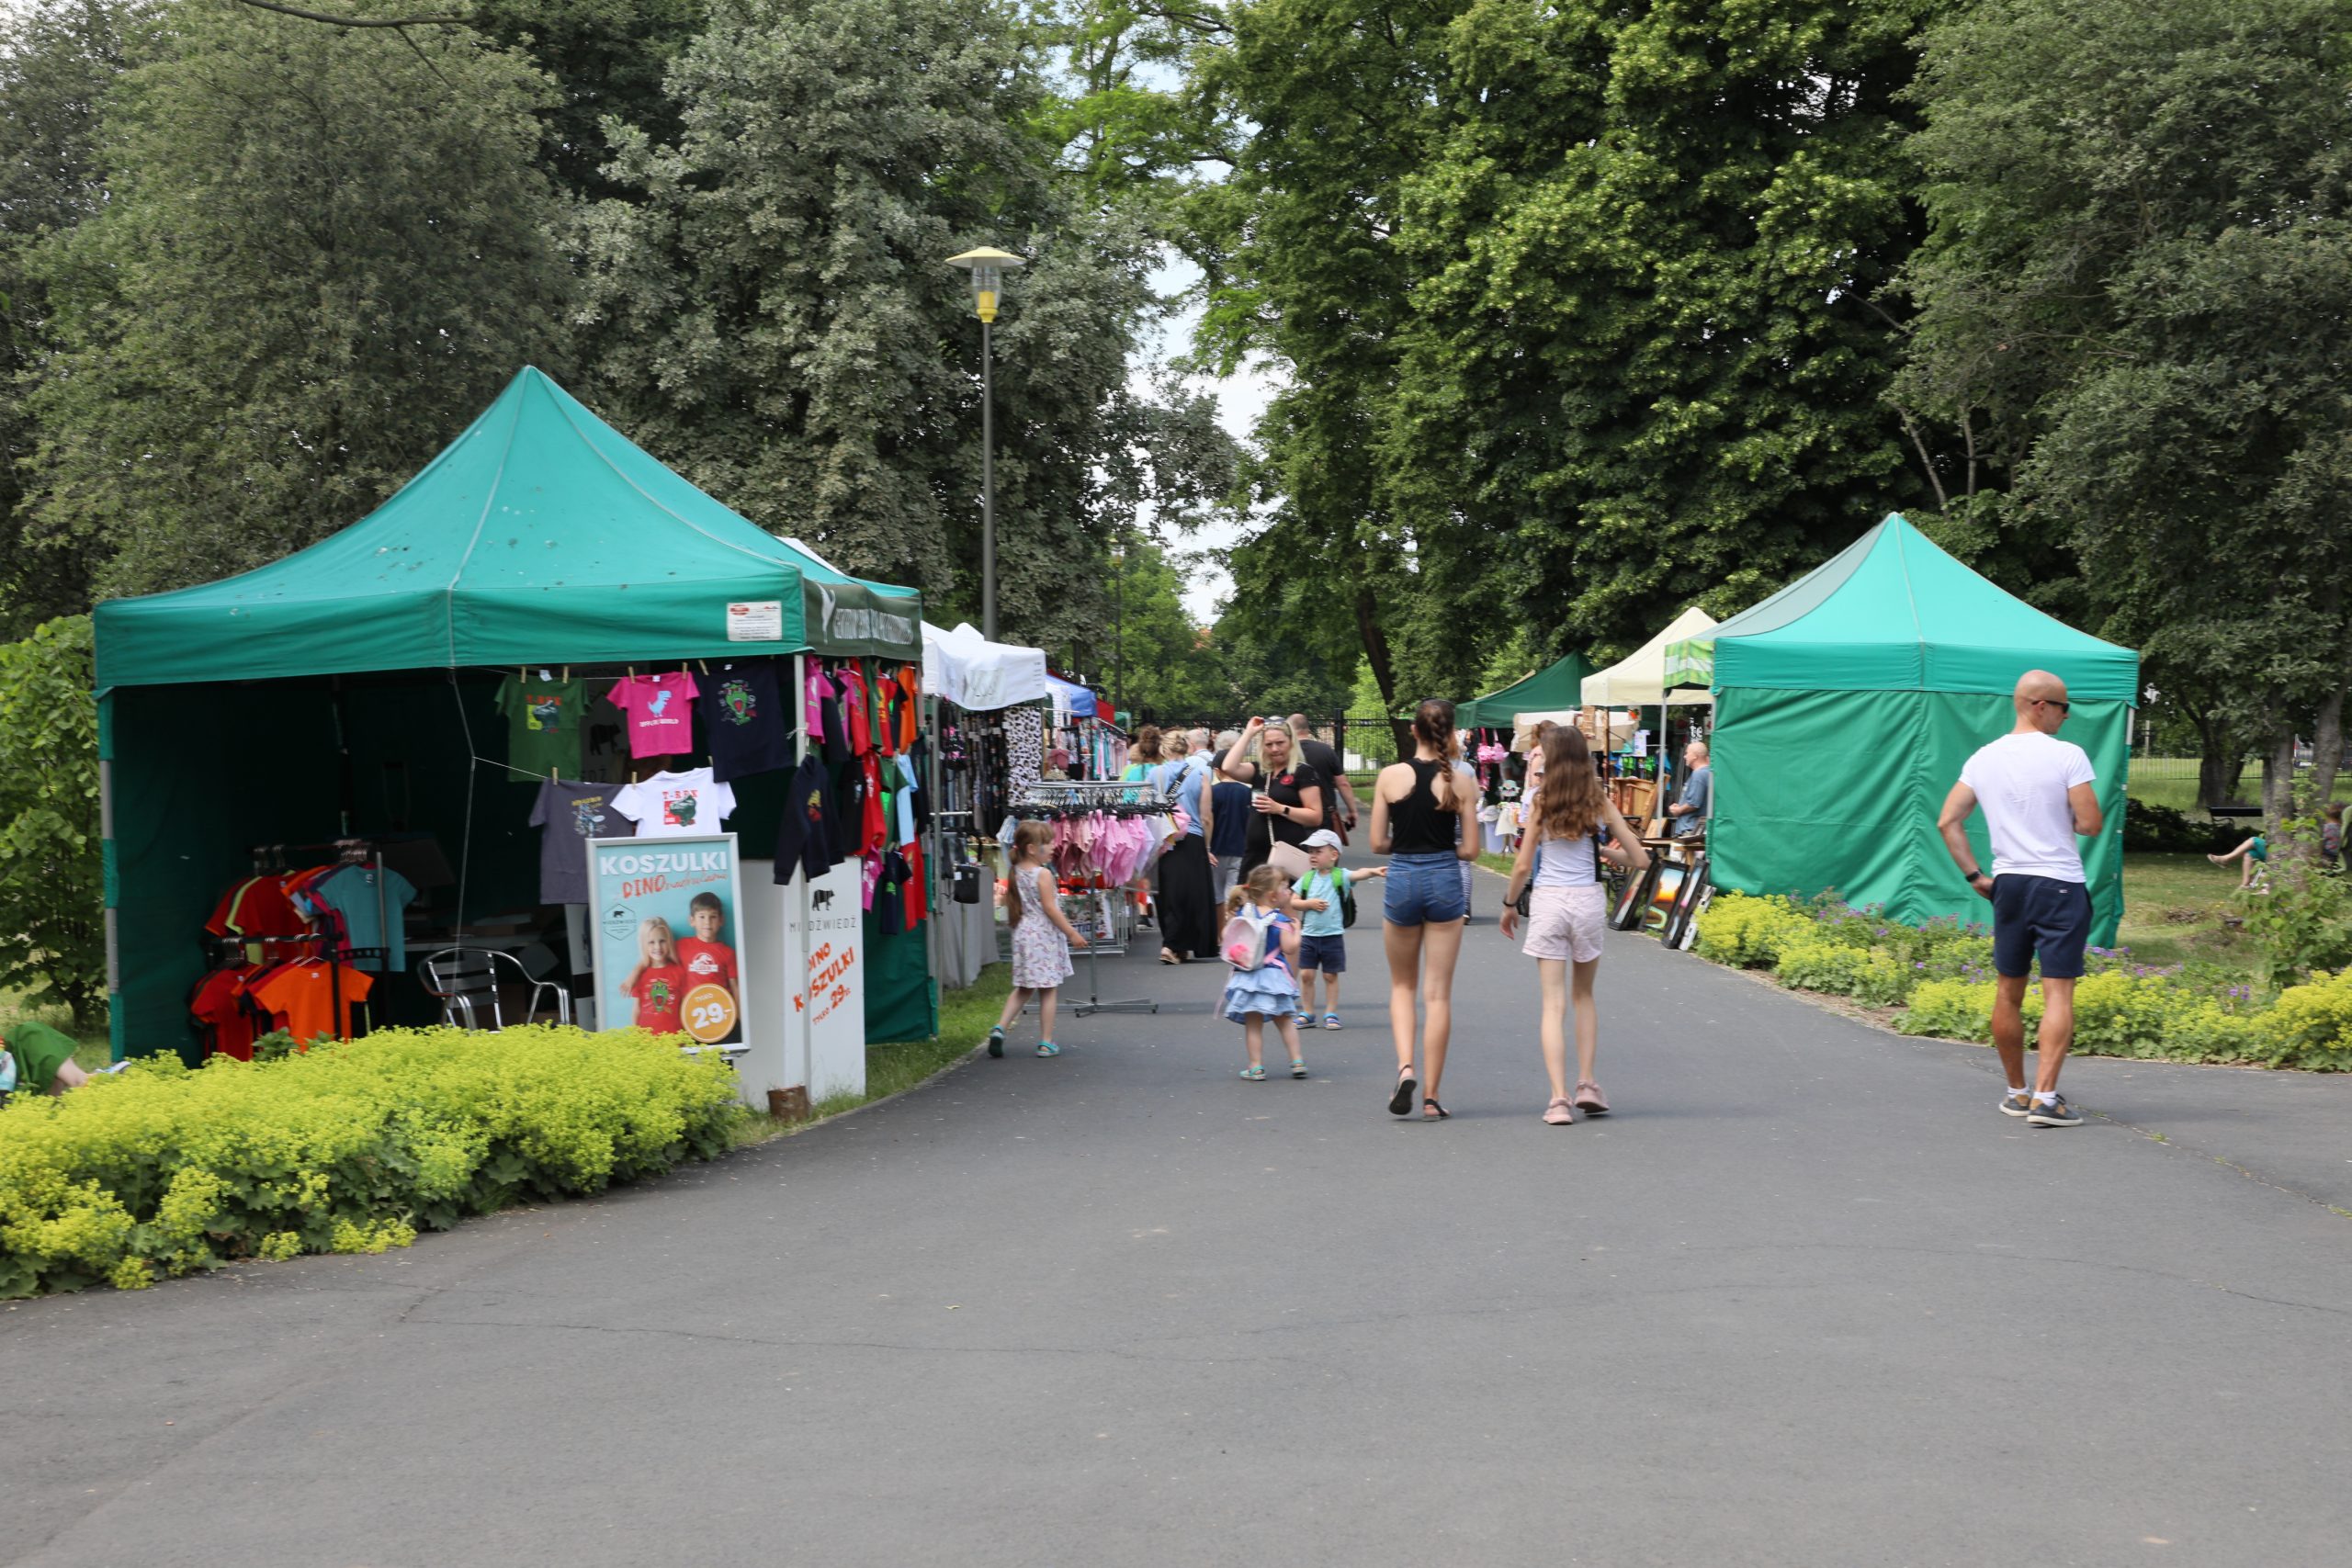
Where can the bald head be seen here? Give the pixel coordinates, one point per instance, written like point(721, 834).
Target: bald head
point(2041, 701)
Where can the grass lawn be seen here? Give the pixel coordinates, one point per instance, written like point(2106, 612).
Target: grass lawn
point(2172, 912)
point(91, 1049)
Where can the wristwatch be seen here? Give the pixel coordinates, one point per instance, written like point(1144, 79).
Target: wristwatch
point(1974, 876)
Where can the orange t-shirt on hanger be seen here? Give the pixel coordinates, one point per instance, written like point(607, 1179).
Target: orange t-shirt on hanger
point(300, 999)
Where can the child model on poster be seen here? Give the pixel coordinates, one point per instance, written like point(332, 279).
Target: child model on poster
point(657, 982)
point(1269, 990)
point(1322, 926)
point(1568, 911)
point(1042, 937)
point(708, 961)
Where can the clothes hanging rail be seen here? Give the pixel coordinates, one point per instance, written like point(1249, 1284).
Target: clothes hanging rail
point(1060, 799)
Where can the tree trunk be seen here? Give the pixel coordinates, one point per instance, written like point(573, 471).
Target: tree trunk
point(2220, 760)
point(2278, 777)
point(2327, 745)
point(1384, 673)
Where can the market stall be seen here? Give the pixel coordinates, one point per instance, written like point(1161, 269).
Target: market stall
point(545, 638)
point(989, 702)
point(1557, 686)
point(1846, 704)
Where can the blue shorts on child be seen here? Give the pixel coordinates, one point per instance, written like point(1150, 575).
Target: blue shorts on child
point(1326, 954)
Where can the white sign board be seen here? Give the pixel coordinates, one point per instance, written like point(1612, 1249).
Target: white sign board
point(828, 956)
point(756, 620)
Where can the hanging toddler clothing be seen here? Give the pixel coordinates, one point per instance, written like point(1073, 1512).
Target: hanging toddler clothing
point(659, 710)
point(544, 723)
point(670, 806)
point(743, 720)
point(568, 815)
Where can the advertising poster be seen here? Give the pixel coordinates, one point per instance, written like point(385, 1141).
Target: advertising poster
point(667, 914)
point(825, 948)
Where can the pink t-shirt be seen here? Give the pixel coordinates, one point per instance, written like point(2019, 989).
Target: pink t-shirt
point(659, 710)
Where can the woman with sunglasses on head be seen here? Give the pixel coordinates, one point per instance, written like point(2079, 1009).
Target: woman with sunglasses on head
point(1290, 805)
point(1425, 819)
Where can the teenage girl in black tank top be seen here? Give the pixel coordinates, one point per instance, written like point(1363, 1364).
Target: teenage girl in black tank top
point(1421, 811)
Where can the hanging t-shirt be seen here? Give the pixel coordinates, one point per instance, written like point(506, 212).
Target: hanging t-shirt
point(660, 713)
point(660, 991)
point(743, 720)
point(849, 810)
point(891, 895)
point(219, 1007)
point(669, 805)
point(876, 834)
point(918, 883)
point(903, 799)
point(803, 834)
point(367, 921)
point(568, 816)
point(300, 999)
point(853, 707)
point(911, 689)
point(708, 963)
point(544, 721)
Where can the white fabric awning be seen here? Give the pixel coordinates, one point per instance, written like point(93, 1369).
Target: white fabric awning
point(1639, 680)
point(980, 675)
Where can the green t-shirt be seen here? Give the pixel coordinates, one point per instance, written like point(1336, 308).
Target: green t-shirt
point(543, 722)
point(40, 1051)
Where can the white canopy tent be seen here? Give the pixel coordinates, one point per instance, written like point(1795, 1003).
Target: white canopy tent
point(979, 675)
point(1639, 680)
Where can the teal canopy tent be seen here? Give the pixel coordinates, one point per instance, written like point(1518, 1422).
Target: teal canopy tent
point(1846, 704)
point(1555, 686)
point(348, 689)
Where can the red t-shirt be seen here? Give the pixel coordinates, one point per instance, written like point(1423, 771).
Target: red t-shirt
point(707, 963)
point(220, 1006)
point(660, 992)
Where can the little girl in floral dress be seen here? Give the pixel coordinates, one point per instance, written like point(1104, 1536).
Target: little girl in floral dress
point(1042, 936)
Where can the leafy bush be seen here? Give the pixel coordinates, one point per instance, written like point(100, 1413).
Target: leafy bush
point(2310, 1026)
point(2149, 826)
point(52, 875)
point(352, 1147)
point(2303, 922)
point(1869, 974)
point(1745, 931)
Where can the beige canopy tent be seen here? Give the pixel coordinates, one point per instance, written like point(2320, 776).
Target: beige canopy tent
point(1639, 680)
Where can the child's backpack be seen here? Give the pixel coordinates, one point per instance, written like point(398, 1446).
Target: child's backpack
point(1346, 895)
point(1243, 942)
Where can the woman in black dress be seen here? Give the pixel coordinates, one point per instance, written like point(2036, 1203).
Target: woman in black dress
point(1290, 805)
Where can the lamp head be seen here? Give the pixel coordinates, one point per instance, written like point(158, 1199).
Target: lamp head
point(987, 264)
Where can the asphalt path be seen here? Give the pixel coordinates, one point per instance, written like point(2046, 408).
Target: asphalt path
point(1806, 1299)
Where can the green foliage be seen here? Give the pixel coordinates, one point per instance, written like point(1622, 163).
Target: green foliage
point(774, 315)
point(2162, 827)
point(352, 1147)
point(1748, 933)
point(2145, 323)
point(2302, 919)
point(1159, 665)
point(51, 866)
point(321, 251)
point(1869, 974)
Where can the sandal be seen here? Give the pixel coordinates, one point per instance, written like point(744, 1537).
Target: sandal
point(1048, 1048)
point(1591, 1100)
point(1255, 1075)
point(1330, 1020)
point(996, 1041)
point(1401, 1102)
point(1168, 956)
point(1297, 1067)
point(1432, 1111)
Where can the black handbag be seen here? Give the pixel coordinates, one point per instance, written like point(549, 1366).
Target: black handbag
point(967, 883)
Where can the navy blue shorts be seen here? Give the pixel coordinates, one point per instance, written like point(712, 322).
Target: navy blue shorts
point(2040, 915)
point(1425, 889)
point(1326, 954)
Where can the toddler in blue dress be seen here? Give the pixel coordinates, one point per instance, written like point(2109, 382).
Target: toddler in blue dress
point(1271, 991)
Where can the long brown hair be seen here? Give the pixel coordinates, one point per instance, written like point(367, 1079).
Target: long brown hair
point(1026, 836)
point(1567, 805)
point(1146, 745)
point(1433, 727)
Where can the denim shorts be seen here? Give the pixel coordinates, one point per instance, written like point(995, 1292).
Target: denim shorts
point(2040, 915)
point(1324, 954)
point(1424, 889)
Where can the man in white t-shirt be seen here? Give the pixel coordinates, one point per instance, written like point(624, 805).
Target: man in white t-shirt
point(2037, 798)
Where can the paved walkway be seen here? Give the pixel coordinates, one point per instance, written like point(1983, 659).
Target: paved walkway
point(1807, 1299)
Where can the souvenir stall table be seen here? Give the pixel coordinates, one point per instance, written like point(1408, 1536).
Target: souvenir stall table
point(988, 710)
point(546, 647)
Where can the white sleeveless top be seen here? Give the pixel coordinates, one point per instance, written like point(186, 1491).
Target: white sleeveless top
point(1565, 863)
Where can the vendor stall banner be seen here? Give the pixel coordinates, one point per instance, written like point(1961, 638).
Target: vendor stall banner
point(667, 928)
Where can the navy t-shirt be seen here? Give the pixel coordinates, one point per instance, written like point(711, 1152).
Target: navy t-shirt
point(1230, 820)
point(744, 719)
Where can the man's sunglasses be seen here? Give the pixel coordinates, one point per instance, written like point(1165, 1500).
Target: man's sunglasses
point(2059, 703)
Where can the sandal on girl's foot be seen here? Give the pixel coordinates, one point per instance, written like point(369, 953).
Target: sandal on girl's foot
point(996, 1041)
point(1432, 1111)
point(1305, 1021)
point(1591, 1100)
point(1255, 1075)
point(1401, 1102)
point(1557, 1113)
point(1330, 1020)
point(1048, 1048)
point(1297, 1067)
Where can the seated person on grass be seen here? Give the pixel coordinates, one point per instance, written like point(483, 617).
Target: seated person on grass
point(2255, 853)
point(37, 1059)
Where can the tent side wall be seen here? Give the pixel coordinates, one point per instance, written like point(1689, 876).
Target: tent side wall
point(1840, 790)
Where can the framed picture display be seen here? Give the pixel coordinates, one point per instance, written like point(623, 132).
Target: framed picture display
point(1681, 920)
point(1666, 887)
point(1627, 915)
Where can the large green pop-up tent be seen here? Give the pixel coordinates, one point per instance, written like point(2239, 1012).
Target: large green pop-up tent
point(1846, 704)
point(348, 688)
point(1553, 687)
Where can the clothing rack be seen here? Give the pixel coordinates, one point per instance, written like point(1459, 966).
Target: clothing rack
point(350, 852)
point(1055, 800)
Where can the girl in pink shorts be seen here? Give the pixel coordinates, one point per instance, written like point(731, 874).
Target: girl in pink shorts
point(1570, 826)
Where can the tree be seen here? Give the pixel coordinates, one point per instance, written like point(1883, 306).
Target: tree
point(777, 318)
point(52, 871)
point(321, 253)
point(2139, 280)
point(57, 60)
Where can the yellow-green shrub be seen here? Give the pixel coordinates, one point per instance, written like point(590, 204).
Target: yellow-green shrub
point(350, 1148)
point(1748, 932)
point(2310, 1026)
point(1867, 974)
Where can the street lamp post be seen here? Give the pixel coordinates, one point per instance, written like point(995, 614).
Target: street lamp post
point(987, 266)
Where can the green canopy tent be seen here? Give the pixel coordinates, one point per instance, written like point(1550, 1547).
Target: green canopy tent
point(1846, 704)
point(349, 687)
point(1555, 686)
